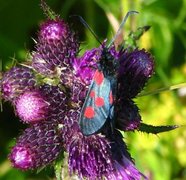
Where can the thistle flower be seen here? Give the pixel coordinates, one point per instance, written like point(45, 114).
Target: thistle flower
point(57, 46)
point(47, 103)
point(38, 146)
point(58, 102)
point(52, 31)
point(122, 162)
point(89, 156)
point(16, 81)
point(32, 106)
point(134, 71)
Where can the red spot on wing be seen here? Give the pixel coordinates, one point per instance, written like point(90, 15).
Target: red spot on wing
point(92, 94)
point(99, 102)
point(89, 112)
point(111, 98)
point(98, 77)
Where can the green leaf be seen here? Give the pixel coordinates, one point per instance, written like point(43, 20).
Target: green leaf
point(168, 88)
point(134, 36)
point(156, 129)
point(48, 11)
point(58, 167)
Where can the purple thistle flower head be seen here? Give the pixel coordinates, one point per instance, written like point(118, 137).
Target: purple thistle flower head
point(38, 146)
point(32, 106)
point(21, 157)
point(53, 30)
point(89, 156)
point(134, 71)
point(57, 47)
point(16, 81)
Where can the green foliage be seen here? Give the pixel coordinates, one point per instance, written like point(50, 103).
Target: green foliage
point(159, 157)
point(146, 128)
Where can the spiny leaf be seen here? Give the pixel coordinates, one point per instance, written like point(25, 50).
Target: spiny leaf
point(169, 88)
point(139, 32)
point(133, 37)
point(48, 11)
point(156, 129)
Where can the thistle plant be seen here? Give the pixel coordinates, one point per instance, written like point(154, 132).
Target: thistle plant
point(31, 106)
point(49, 94)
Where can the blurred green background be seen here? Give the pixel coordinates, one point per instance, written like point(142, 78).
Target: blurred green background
point(160, 157)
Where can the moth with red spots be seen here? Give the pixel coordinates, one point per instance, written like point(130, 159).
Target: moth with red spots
point(98, 107)
point(99, 103)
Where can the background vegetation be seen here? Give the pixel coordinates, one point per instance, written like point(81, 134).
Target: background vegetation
point(161, 157)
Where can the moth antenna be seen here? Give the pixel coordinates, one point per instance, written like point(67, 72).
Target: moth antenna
point(122, 25)
point(169, 88)
point(88, 27)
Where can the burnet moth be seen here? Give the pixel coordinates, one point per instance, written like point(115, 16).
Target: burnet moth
point(98, 106)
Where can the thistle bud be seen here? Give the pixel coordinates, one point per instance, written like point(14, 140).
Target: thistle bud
point(57, 46)
point(38, 146)
point(16, 81)
point(89, 156)
point(134, 71)
point(32, 107)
